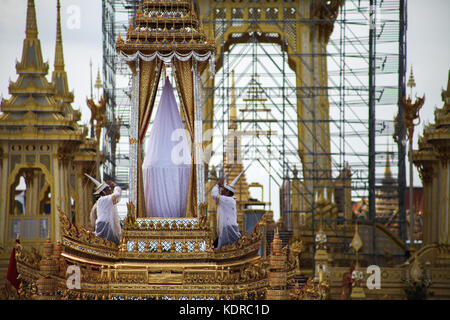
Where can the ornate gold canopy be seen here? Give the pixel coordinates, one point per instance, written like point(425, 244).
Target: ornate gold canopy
point(166, 32)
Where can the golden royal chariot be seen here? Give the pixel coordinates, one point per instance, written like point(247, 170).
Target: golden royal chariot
point(174, 258)
point(159, 258)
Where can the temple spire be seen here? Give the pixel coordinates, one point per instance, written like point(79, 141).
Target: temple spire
point(59, 56)
point(31, 61)
point(59, 76)
point(98, 83)
point(411, 82)
point(31, 30)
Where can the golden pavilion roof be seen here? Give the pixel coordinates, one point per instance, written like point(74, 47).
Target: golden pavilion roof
point(165, 26)
point(442, 115)
point(39, 108)
point(386, 202)
point(436, 137)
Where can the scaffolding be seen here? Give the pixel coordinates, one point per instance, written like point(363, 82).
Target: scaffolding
point(366, 70)
point(116, 15)
point(366, 64)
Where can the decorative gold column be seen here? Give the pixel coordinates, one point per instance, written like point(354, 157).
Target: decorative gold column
point(3, 189)
point(28, 175)
point(433, 161)
point(425, 161)
point(65, 158)
point(436, 206)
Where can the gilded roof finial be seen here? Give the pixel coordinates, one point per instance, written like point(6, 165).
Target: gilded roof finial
point(98, 83)
point(31, 30)
point(119, 39)
point(59, 56)
point(411, 82)
point(59, 76)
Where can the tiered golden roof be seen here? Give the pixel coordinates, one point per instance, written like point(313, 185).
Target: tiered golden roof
point(38, 109)
point(439, 134)
point(432, 161)
point(386, 203)
point(165, 26)
point(59, 76)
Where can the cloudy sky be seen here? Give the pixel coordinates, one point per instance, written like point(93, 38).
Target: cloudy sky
point(428, 48)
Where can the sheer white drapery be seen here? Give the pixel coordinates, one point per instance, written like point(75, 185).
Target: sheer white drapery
point(167, 162)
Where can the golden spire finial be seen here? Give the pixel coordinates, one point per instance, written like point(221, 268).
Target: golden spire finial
point(31, 30)
point(98, 81)
point(119, 39)
point(59, 56)
point(411, 82)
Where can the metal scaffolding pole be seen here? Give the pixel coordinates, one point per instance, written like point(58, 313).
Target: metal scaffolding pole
point(372, 115)
point(401, 130)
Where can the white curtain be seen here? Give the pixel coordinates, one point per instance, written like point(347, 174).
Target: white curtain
point(167, 162)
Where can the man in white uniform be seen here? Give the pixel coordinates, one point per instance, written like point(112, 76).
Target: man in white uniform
point(226, 213)
point(104, 216)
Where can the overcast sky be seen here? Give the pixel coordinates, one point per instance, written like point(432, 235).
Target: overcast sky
point(428, 46)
